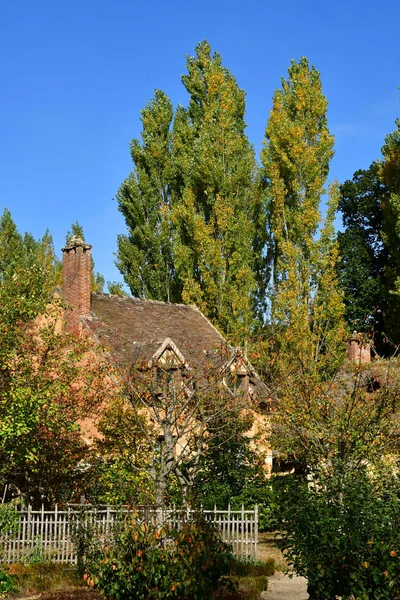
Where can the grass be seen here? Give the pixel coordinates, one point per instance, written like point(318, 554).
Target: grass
point(43, 577)
point(250, 588)
point(250, 578)
point(254, 569)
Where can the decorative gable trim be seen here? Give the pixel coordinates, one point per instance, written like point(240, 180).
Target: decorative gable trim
point(166, 345)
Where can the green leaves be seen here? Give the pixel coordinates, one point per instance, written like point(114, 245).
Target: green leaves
point(149, 561)
point(145, 255)
point(190, 203)
point(361, 269)
point(214, 213)
point(343, 538)
point(306, 306)
point(45, 385)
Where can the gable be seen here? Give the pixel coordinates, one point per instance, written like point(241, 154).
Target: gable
point(147, 331)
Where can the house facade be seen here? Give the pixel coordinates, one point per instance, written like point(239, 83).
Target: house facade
point(152, 333)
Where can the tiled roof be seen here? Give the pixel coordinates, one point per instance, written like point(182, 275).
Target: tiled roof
point(133, 330)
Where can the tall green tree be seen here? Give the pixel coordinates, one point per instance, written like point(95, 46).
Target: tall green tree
point(390, 173)
point(306, 304)
point(196, 224)
point(216, 207)
point(145, 253)
point(364, 256)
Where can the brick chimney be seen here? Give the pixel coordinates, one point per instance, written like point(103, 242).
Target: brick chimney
point(358, 348)
point(76, 271)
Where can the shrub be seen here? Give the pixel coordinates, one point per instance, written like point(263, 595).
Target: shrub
point(9, 519)
point(258, 568)
point(344, 536)
point(7, 584)
point(145, 561)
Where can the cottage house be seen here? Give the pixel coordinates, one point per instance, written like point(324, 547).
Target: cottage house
point(153, 332)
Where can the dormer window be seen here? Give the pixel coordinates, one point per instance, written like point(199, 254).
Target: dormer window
point(237, 380)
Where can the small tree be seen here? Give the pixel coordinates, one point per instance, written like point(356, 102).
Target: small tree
point(232, 469)
point(120, 458)
point(337, 423)
point(176, 408)
point(341, 434)
point(47, 382)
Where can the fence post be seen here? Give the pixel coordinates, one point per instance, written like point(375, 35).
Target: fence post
point(108, 521)
point(29, 527)
point(54, 533)
point(242, 536)
point(255, 530)
point(228, 536)
point(42, 531)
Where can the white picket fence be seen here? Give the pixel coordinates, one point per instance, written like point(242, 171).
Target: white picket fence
point(47, 533)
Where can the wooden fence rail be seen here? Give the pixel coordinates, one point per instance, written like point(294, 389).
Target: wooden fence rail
point(47, 533)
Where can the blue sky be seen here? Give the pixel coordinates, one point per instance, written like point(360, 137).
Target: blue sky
point(74, 76)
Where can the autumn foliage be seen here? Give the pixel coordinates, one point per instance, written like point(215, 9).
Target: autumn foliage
point(160, 562)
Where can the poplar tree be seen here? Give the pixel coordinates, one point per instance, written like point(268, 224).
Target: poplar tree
point(306, 306)
point(215, 208)
point(145, 253)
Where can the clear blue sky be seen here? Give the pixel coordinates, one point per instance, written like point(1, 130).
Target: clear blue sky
point(75, 74)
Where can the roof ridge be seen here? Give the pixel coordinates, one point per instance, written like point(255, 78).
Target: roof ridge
point(151, 301)
point(161, 302)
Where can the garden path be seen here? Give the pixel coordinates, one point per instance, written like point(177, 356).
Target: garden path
point(281, 587)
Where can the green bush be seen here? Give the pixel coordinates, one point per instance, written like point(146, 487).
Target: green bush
point(343, 535)
point(143, 561)
point(9, 519)
point(243, 568)
point(7, 584)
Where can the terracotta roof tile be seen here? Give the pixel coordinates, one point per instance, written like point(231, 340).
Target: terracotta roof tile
point(133, 330)
point(130, 328)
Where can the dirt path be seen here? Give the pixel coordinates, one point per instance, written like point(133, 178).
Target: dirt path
point(281, 587)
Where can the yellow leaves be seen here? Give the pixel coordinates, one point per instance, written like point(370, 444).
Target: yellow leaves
point(297, 151)
point(215, 81)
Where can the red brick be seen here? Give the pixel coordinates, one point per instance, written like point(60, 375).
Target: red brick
point(76, 282)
